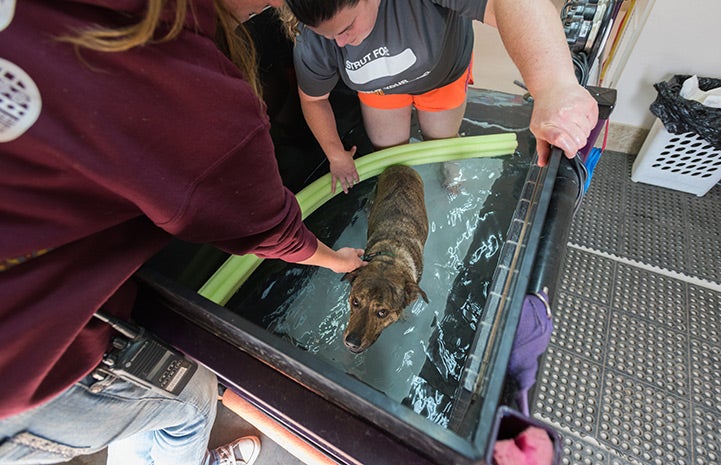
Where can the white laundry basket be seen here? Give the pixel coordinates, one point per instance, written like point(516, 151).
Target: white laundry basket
point(683, 162)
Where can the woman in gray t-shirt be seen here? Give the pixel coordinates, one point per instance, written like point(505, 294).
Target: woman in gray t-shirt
point(400, 54)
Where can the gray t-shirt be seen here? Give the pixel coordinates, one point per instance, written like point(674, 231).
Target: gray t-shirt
point(416, 46)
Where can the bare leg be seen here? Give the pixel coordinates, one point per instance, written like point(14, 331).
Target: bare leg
point(444, 125)
point(387, 128)
point(441, 124)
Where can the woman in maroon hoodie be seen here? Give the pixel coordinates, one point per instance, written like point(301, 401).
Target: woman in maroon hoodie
point(122, 125)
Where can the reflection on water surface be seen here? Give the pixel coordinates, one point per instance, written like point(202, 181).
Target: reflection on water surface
point(417, 361)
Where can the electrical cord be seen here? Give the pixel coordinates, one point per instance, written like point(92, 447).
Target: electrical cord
point(580, 63)
point(582, 173)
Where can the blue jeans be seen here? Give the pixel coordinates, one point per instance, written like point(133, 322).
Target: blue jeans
point(138, 426)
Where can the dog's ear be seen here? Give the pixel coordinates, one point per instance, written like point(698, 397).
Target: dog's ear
point(350, 276)
point(413, 290)
point(423, 294)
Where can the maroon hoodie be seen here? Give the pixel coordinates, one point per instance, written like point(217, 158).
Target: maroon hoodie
point(128, 149)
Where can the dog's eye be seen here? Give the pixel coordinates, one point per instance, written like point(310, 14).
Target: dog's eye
point(382, 313)
point(355, 302)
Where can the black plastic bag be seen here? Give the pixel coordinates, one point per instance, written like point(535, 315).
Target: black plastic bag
point(680, 115)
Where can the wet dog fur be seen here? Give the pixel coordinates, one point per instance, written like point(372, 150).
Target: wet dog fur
point(397, 232)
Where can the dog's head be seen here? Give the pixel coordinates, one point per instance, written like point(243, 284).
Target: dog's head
point(376, 301)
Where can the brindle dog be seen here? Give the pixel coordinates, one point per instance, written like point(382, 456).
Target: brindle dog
point(397, 232)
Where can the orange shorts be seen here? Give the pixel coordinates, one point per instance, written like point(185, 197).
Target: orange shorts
point(444, 98)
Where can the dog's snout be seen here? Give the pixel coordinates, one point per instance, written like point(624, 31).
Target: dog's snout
point(353, 342)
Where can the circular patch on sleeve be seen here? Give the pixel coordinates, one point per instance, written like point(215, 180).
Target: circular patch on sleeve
point(7, 11)
point(20, 101)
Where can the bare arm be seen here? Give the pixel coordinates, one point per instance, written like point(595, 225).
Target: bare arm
point(343, 260)
point(564, 113)
point(321, 120)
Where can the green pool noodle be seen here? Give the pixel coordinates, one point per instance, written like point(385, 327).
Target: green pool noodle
point(233, 273)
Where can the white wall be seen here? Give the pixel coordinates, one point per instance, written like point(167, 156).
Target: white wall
point(493, 69)
point(677, 37)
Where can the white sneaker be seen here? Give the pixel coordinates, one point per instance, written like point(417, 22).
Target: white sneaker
point(242, 451)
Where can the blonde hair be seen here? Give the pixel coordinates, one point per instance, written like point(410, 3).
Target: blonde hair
point(291, 25)
point(232, 37)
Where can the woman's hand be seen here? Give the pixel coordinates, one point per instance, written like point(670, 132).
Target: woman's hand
point(319, 115)
point(348, 260)
point(564, 113)
point(343, 260)
point(563, 116)
point(343, 170)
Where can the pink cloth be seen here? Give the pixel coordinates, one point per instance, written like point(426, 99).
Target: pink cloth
point(532, 447)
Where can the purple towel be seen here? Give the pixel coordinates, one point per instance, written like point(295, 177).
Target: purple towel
point(532, 338)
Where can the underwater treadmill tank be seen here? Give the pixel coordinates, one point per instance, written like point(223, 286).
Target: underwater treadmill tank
point(433, 380)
